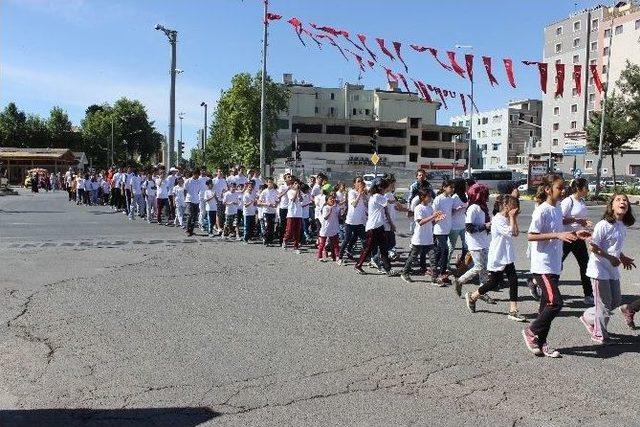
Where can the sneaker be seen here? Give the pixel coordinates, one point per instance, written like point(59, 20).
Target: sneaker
point(628, 314)
point(284, 247)
point(486, 298)
point(588, 300)
point(360, 270)
point(440, 282)
point(533, 289)
point(374, 264)
point(516, 317)
point(322, 260)
point(298, 251)
point(238, 238)
point(457, 286)
point(600, 340)
point(471, 304)
point(406, 278)
point(340, 262)
point(549, 352)
point(586, 324)
point(393, 255)
point(531, 341)
point(393, 273)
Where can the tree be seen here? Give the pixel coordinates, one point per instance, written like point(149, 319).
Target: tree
point(12, 127)
point(59, 127)
point(36, 131)
point(235, 130)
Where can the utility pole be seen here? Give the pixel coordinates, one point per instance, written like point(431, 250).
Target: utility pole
point(180, 116)
point(112, 140)
point(263, 95)
point(172, 35)
point(473, 104)
point(204, 129)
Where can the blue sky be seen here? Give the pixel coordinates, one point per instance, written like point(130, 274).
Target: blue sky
point(74, 53)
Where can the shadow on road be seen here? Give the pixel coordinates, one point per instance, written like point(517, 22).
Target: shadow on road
point(107, 417)
point(31, 212)
point(620, 344)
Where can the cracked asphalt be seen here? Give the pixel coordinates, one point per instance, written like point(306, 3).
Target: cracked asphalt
point(111, 322)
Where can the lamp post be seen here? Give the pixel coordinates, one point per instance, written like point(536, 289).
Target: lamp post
point(172, 35)
point(180, 116)
point(473, 103)
point(263, 94)
point(204, 129)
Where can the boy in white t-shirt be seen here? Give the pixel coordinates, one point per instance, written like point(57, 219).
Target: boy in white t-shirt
point(231, 202)
point(211, 205)
point(268, 200)
point(443, 202)
point(178, 197)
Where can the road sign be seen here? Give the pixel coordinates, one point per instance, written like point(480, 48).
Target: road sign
point(375, 158)
point(574, 150)
point(577, 173)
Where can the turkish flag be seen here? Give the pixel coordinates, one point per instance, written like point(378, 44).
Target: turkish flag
point(363, 40)
point(468, 59)
point(543, 70)
point(454, 64)
point(486, 60)
point(577, 78)
point(559, 80)
point(596, 77)
point(508, 67)
point(384, 49)
point(396, 47)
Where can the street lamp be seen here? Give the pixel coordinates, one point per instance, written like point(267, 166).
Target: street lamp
point(172, 35)
point(204, 130)
point(473, 103)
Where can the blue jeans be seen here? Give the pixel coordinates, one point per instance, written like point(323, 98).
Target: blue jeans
point(442, 254)
point(249, 220)
point(453, 239)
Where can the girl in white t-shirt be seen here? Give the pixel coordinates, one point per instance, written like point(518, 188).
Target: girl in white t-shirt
point(178, 197)
point(357, 201)
point(329, 225)
point(422, 238)
point(574, 218)
point(230, 200)
point(211, 205)
point(294, 217)
point(501, 256)
point(477, 228)
point(606, 256)
point(269, 200)
point(444, 203)
point(305, 235)
point(458, 218)
point(249, 211)
point(150, 190)
point(546, 234)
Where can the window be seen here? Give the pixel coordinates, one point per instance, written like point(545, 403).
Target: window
point(367, 112)
point(592, 62)
point(354, 112)
point(468, 123)
point(559, 31)
point(283, 123)
point(637, 24)
point(588, 164)
point(558, 61)
point(332, 110)
point(607, 33)
point(497, 119)
point(413, 157)
point(485, 120)
point(558, 47)
point(576, 42)
point(510, 146)
point(556, 111)
point(413, 140)
point(556, 126)
point(447, 154)
point(495, 147)
point(592, 97)
point(594, 46)
point(576, 26)
point(574, 108)
point(618, 30)
point(574, 92)
point(484, 134)
point(317, 110)
point(576, 59)
point(590, 81)
point(594, 25)
point(604, 69)
point(356, 97)
point(333, 95)
point(605, 51)
point(555, 142)
point(433, 153)
point(574, 125)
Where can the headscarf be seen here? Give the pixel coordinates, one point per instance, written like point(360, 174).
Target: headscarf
point(479, 195)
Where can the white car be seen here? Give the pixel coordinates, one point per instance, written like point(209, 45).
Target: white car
point(523, 188)
point(369, 177)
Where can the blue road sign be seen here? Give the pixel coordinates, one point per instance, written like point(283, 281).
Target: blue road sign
point(574, 150)
point(577, 173)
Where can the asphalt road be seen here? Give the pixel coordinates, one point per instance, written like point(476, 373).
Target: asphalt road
point(111, 322)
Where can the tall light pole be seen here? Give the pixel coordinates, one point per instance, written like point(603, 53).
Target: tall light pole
point(204, 129)
point(180, 116)
point(172, 35)
point(263, 95)
point(473, 103)
point(111, 140)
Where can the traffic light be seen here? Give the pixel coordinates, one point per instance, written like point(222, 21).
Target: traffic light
point(374, 142)
point(298, 157)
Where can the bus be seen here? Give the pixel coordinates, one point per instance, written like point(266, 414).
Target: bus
point(491, 178)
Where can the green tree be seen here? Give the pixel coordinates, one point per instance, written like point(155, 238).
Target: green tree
point(13, 127)
point(235, 130)
point(37, 133)
point(59, 127)
point(629, 84)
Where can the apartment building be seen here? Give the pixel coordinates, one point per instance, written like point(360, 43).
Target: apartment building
point(583, 38)
point(501, 136)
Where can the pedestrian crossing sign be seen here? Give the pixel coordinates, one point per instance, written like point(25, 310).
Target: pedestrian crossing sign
point(375, 158)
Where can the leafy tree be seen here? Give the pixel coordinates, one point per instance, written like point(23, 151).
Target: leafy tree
point(59, 127)
point(235, 130)
point(629, 84)
point(37, 133)
point(13, 127)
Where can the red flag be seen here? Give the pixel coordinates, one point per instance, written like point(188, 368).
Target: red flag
point(313, 37)
point(390, 75)
point(508, 66)
point(396, 47)
point(464, 103)
point(559, 80)
point(454, 64)
point(363, 40)
point(272, 16)
point(468, 59)
point(297, 25)
point(473, 104)
point(358, 58)
point(404, 82)
point(542, 69)
point(384, 49)
point(326, 29)
point(486, 60)
point(424, 91)
point(333, 42)
point(441, 95)
point(596, 77)
point(371, 63)
point(345, 34)
point(433, 52)
point(577, 78)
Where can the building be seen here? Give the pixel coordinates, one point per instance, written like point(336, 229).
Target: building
point(333, 128)
point(583, 38)
point(501, 136)
point(19, 160)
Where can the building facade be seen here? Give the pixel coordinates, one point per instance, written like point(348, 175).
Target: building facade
point(501, 137)
point(583, 38)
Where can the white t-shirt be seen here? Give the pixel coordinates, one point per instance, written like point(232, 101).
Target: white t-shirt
point(356, 215)
point(393, 213)
point(210, 205)
point(458, 217)
point(319, 201)
point(415, 202)
point(251, 209)
point(376, 210)
point(444, 204)
point(270, 197)
point(610, 238)
point(284, 200)
point(241, 179)
point(178, 193)
point(203, 186)
point(171, 182)
point(231, 201)
point(136, 184)
point(80, 183)
point(295, 204)
point(306, 201)
point(192, 186)
point(127, 181)
point(330, 226)
point(117, 179)
point(480, 240)
point(422, 234)
point(220, 186)
point(573, 208)
point(546, 255)
point(161, 183)
point(501, 251)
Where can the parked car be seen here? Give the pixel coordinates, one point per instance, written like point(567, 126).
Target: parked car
point(369, 177)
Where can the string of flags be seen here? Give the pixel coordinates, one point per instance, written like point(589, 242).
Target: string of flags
point(448, 62)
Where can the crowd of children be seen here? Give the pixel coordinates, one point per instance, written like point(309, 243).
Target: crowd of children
point(332, 220)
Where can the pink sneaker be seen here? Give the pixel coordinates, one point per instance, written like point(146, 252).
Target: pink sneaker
point(628, 314)
point(531, 341)
point(586, 325)
point(549, 352)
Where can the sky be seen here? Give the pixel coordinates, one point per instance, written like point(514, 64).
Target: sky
point(74, 53)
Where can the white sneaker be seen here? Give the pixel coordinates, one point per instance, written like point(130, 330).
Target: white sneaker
point(298, 251)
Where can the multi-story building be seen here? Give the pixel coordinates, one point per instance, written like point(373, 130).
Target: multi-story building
point(501, 136)
point(583, 38)
point(333, 128)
